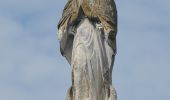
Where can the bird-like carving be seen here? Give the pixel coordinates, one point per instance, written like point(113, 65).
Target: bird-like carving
point(100, 11)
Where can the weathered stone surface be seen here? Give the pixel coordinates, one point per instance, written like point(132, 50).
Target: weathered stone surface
point(87, 34)
point(91, 61)
point(102, 10)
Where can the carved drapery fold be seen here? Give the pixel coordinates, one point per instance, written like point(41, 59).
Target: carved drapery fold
point(91, 61)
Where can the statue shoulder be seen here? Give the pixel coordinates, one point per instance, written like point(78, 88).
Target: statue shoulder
point(70, 10)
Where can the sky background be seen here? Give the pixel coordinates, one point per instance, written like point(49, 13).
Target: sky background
point(32, 68)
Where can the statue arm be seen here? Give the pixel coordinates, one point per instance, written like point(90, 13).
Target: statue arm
point(65, 14)
point(69, 12)
point(69, 15)
point(107, 14)
point(108, 18)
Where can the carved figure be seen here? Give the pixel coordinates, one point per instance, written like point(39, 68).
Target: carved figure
point(87, 33)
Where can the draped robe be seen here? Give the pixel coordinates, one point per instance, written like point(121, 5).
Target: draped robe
point(87, 33)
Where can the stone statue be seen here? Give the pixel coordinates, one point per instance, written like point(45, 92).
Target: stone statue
point(87, 33)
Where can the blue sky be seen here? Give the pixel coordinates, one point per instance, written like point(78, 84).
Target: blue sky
point(31, 67)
